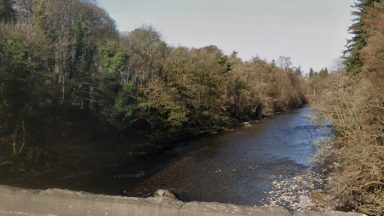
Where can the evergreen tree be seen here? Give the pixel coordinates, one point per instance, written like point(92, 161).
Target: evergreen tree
point(323, 72)
point(311, 73)
point(298, 71)
point(354, 61)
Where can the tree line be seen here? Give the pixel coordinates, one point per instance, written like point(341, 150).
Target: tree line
point(65, 63)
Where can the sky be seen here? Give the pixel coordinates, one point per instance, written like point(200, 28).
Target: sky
point(312, 32)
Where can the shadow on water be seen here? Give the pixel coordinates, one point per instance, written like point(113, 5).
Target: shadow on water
point(233, 167)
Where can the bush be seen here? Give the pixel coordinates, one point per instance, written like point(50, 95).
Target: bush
point(356, 109)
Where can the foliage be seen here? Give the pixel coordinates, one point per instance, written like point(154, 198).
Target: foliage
point(24, 80)
point(353, 58)
point(355, 109)
point(63, 63)
point(355, 106)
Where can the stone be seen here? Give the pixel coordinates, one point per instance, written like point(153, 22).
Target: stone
point(247, 124)
point(165, 194)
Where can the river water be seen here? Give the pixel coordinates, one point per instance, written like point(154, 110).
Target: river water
point(238, 166)
point(233, 167)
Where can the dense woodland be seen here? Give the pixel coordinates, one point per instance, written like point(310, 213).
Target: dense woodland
point(353, 100)
point(68, 78)
point(67, 75)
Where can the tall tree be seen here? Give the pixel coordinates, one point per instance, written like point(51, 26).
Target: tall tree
point(353, 59)
point(147, 51)
point(24, 81)
point(311, 73)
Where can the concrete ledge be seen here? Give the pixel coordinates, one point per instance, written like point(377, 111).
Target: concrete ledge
point(54, 202)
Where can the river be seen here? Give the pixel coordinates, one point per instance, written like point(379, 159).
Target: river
point(237, 166)
point(232, 167)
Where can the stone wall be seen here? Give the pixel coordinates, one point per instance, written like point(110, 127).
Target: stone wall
point(54, 202)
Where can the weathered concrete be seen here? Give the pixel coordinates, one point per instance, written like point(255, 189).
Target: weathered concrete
point(54, 202)
point(329, 213)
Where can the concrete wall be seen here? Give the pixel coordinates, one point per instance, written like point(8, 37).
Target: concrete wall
point(15, 201)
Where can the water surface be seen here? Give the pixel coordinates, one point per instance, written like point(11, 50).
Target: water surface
point(234, 167)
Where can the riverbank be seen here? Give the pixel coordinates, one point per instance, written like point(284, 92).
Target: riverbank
point(304, 191)
point(68, 203)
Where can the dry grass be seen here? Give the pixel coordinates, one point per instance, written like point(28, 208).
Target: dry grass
point(356, 108)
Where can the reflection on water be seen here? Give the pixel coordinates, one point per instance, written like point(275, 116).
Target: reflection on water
point(233, 167)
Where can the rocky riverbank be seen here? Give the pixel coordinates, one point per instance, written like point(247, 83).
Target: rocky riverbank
point(299, 192)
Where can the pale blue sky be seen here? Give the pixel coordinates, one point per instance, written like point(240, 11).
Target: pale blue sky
point(312, 32)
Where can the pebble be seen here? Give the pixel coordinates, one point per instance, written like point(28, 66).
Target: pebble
point(293, 192)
